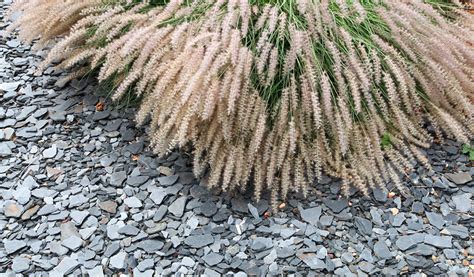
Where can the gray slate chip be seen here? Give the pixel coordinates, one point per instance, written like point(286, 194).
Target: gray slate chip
point(8, 87)
point(260, 244)
point(50, 152)
point(336, 205)
point(66, 266)
point(450, 254)
point(168, 180)
point(22, 195)
point(150, 245)
point(25, 112)
point(101, 115)
point(398, 220)
point(198, 241)
point(463, 202)
point(111, 249)
point(146, 264)
point(73, 243)
point(311, 260)
point(381, 250)
point(435, 219)
point(208, 209)
point(407, 242)
point(160, 213)
point(118, 261)
point(20, 264)
point(12, 246)
point(77, 200)
point(137, 180)
point(363, 225)
point(78, 216)
point(311, 215)
point(177, 207)
point(239, 205)
point(133, 202)
point(212, 259)
point(158, 195)
point(439, 241)
point(254, 211)
point(5, 149)
point(117, 178)
point(129, 230)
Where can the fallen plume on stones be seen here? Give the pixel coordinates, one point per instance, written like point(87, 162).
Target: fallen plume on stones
point(275, 92)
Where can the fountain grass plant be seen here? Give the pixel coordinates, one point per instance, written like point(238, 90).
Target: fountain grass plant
point(273, 93)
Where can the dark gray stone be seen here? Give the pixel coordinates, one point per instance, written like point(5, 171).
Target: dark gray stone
point(239, 205)
point(101, 115)
point(111, 249)
point(208, 209)
point(66, 266)
point(363, 225)
point(168, 180)
point(336, 205)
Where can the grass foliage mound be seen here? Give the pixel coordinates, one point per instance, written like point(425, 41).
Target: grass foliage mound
point(272, 93)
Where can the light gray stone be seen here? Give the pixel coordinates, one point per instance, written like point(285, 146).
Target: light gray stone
point(8, 87)
point(213, 259)
point(381, 250)
point(177, 207)
point(133, 202)
point(22, 195)
point(50, 152)
point(118, 261)
point(463, 202)
point(73, 243)
point(65, 266)
point(311, 215)
point(198, 241)
point(20, 264)
point(12, 246)
point(312, 261)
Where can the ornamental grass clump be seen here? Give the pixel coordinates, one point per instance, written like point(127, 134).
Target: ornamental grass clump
point(273, 93)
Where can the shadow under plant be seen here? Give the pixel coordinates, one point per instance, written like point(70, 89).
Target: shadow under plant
point(82, 194)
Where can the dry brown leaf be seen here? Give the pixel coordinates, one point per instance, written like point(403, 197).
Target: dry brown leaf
point(100, 106)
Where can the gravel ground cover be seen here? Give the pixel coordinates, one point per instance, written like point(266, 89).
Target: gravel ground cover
point(81, 194)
